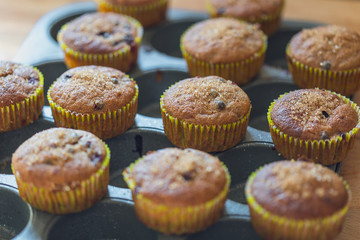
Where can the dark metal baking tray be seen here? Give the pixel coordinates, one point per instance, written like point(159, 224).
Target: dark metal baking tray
point(159, 65)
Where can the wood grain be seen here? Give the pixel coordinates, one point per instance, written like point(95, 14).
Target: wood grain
point(19, 16)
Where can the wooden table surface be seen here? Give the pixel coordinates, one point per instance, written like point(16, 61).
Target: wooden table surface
point(17, 17)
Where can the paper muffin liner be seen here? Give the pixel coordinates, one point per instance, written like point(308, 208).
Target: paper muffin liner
point(104, 125)
point(344, 82)
point(23, 113)
point(207, 138)
point(268, 23)
point(146, 14)
point(272, 226)
point(240, 72)
point(173, 219)
point(122, 59)
point(326, 152)
point(68, 199)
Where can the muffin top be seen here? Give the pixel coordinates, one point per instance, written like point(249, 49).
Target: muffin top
point(17, 82)
point(101, 33)
point(93, 89)
point(299, 190)
point(132, 2)
point(223, 40)
point(208, 100)
point(58, 158)
point(247, 9)
point(176, 177)
point(313, 114)
point(330, 47)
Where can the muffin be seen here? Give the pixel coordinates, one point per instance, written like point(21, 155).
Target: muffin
point(178, 191)
point(97, 99)
point(267, 13)
point(297, 200)
point(326, 57)
point(225, 47)
point(318, 124)
point(206, 113)
point(147, 12)
point(105, 39)
point(21, 95)
point(62, 170)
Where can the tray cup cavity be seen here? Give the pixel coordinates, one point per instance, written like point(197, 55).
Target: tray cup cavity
point(261, 96)
point(242, 161)
point(108, 219)
point(14, 213)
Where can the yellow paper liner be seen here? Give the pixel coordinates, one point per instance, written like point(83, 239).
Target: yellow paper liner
point(177, 220)
point(122, 59)
point(147, 14)
point(22, 113)
point(272, 226)
point(69, 199)
point(207, 138)
point(344, 82)
point(240, 72)
point(104, 125)
point(268, 23)
point(327, 152)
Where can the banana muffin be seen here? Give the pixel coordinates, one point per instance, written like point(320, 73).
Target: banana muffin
point(62, 170)
point(21, 95)
point(206, 113)
point(178, 191)
point(297, 200)
point(97, 99)
point(147, 12)
point(326, 57)
point(226, 47)
point(106, 39)
point(318, 124)
point(267, 13)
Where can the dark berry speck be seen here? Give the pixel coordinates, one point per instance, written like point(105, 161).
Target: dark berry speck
point(221, 105)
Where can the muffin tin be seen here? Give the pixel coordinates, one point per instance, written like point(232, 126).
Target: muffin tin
point(159, 65)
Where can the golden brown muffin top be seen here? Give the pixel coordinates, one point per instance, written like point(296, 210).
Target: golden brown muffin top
point(330, 47)
point(17, 82)
point(206, 100)
point(93, 89)
point(58, 158)
point(247, 9)
point(299, 190)
point(313, 114)
point(223, 40)
point(132, 2)
point(176, 177)
point(100, 33)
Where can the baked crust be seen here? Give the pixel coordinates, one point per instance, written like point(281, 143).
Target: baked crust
point(223, 40)
point(93, 89)
point(176, 177)
point(58, 158)
point(208, 100)
point(313, 114)
point(330, 47)
point(299, 190)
